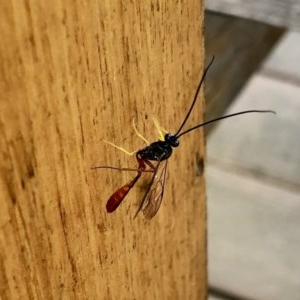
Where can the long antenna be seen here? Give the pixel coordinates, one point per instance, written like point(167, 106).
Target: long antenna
point(224, 117)
point(195, 97)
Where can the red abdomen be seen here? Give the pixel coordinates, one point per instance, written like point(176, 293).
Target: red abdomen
point(116, 198)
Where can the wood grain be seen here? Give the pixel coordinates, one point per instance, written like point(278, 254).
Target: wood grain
point(71, 75)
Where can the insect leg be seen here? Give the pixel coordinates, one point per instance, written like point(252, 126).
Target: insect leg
point(123, 149)
point(120, 148)
point(139, 134)
point(122, 169)
point(161, 131)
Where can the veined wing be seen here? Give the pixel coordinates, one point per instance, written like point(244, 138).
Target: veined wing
point(153, 197)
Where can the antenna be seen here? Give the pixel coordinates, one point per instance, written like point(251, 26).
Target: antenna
point(195, 97)
point(225, 117)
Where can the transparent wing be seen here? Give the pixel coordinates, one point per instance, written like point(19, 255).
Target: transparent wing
point(153, 198)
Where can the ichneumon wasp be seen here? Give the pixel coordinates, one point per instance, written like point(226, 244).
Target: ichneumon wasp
point(154, 158)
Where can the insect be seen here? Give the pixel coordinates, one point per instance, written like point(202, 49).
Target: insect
point(154, 159)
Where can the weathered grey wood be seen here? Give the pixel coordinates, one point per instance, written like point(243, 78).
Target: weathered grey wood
point(277, 12)
point(284, 60)
point(239, 47)
point(254, 238)
point(266, 144)
point(254, 194)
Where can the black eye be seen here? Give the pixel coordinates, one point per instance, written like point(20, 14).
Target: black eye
point(171, 140)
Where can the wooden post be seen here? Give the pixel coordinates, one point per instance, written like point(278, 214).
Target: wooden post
point(72, 74)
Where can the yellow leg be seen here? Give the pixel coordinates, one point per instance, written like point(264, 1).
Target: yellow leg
point(161, 131)
point(124, 150)
point(138, 134)
point(120, 148)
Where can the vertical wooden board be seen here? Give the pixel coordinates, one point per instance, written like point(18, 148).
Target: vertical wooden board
point(71, 75)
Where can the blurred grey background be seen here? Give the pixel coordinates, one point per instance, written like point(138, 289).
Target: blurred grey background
point(253, 161)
